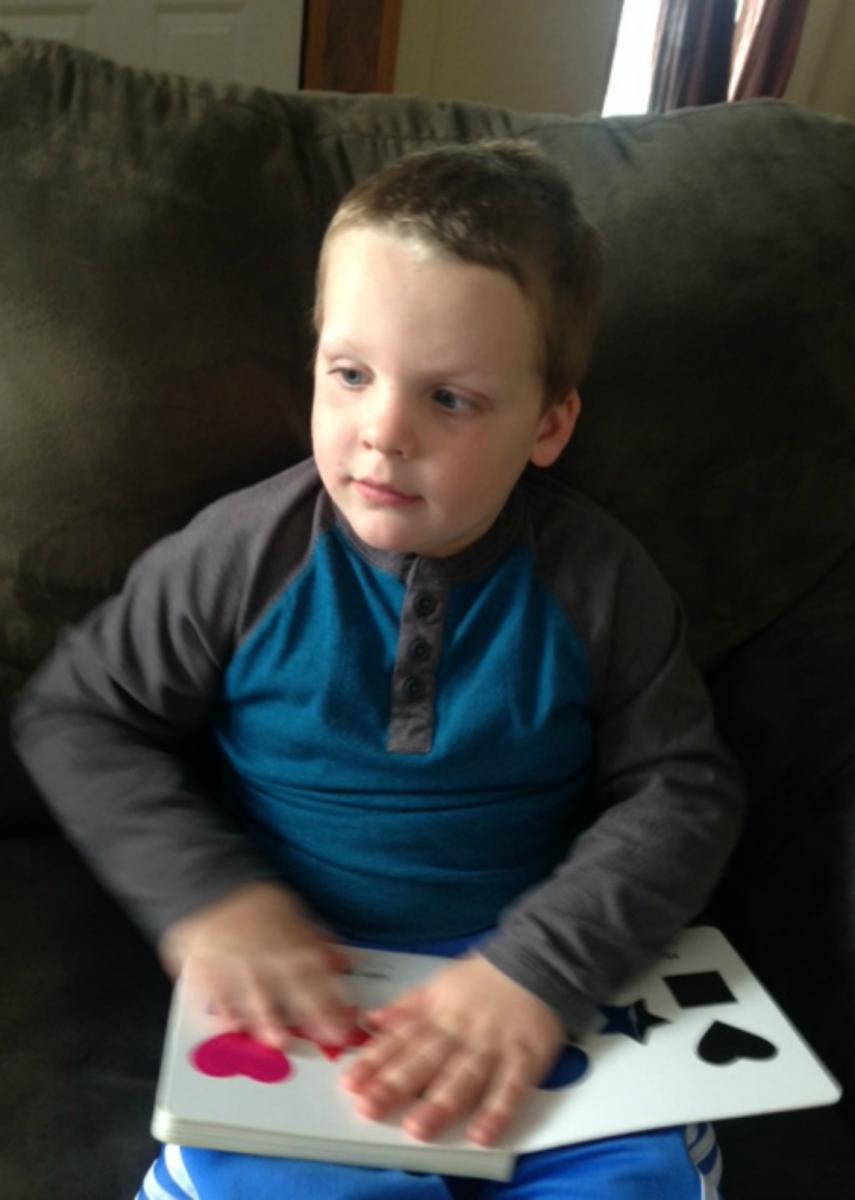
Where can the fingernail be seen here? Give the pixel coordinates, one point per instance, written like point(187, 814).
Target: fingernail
point(274, 1037)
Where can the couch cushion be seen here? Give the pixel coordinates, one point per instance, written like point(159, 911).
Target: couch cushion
point(786, 702)
point(82, 1009)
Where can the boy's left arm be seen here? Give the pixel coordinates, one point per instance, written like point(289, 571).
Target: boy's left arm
point(669, 808)
point(669, 803)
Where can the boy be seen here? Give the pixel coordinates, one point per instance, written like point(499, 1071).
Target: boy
point(449, 702)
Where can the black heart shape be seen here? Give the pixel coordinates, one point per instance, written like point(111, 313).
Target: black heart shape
point(723, 1044)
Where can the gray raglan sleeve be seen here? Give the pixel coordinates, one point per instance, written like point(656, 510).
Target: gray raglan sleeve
point(105, 725)
point(668, 799)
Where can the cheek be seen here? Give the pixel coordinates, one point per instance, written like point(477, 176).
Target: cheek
point(328, 427)
point(317, 428)
point(494, 460)
point(479, 477)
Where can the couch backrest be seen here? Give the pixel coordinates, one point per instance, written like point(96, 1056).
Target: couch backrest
point(157, 248)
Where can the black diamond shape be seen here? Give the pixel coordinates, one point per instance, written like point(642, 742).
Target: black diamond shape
point(694, 989)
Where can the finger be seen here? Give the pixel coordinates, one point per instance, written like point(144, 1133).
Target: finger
point(406, 1074)
point(264, 1018)
point(336, 957)
point(453, 1094)
point(381, 1050)
point(369, 1061)
point(212, 997)
point(333, 1026)
point(318, 1003)
point(244, 1004)
point(505, 1095)
point(408, 1007)
point(227, 1011)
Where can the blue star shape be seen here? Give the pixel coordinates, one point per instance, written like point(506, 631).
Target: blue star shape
point(632, 1020)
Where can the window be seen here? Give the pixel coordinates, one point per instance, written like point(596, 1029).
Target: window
point(632, 64)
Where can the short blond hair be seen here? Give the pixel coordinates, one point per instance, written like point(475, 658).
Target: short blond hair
point(498, 204)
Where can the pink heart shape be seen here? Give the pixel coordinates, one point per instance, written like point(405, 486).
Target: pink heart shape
point(239, 1054)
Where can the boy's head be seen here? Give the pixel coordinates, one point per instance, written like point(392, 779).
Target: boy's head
point(455, 311)
point(504, 205)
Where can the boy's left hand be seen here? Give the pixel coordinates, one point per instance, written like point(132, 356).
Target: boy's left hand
point(469, 1041)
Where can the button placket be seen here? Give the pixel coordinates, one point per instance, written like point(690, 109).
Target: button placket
point(413, 688)
point(425, 604)
point(420, 650)
point(413, 683)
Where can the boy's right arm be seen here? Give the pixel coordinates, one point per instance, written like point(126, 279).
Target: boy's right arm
point(256, 958)
point(105, 727)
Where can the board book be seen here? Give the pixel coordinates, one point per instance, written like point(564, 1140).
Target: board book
point(693, 1038)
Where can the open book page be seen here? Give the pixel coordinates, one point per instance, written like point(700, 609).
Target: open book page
point(694, 1038)
point(226, 1092)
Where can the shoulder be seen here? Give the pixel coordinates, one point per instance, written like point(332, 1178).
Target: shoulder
point(242, 549)
point(243, 521)
point(608, 585)
point(571, 533)
point(258, 510)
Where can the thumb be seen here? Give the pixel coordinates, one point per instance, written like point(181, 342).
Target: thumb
point(411, 1004)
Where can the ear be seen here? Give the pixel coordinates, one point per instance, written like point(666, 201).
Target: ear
point(556, 429)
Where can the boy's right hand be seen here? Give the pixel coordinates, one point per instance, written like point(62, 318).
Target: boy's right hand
point(256, 959)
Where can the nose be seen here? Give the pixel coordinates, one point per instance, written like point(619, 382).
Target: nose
point(389, 426)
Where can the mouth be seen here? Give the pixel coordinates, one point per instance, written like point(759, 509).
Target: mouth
point(376, 492)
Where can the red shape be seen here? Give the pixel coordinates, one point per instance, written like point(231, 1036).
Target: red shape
point(358, 1037)
point(238, 1054)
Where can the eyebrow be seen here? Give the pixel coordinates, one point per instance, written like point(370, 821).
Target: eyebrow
point(338, 343)
point(435, 373)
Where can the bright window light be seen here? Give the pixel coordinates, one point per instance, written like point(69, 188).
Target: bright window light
point(748, 14)
point(632, 66)
point(631, 75)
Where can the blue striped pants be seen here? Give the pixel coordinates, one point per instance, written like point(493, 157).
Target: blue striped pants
point(670, 1164)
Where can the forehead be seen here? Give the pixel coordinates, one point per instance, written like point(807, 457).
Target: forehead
point(417, 290)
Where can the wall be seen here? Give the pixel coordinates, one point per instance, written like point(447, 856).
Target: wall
point(554, 55)
point(255, 42)
point(824, 75)
point(533, 55)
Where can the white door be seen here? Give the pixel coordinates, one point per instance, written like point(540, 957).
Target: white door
point(253, 42)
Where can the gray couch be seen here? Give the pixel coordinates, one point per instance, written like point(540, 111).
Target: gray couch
point(157, 247)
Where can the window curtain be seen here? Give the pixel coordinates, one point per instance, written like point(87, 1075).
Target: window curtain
point(767, 41)
point(694, 42)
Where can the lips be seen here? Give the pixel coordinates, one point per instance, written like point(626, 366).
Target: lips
point(376, 492)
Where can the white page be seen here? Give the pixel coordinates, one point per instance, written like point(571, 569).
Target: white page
point(310, 1103)
point(661, 1081)
point(628, 1086)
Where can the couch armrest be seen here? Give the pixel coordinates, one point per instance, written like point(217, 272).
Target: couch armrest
point(786, 705)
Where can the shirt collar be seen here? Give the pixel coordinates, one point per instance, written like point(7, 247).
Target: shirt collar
point(470, 562)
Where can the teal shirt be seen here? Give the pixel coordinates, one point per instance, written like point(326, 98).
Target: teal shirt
point(423, 842)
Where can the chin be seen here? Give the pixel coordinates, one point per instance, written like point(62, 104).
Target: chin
point(381, 535)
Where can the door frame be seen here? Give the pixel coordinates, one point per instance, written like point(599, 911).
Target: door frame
point(350, 45)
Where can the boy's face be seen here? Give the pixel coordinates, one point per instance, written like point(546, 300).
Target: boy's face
point(428, 398)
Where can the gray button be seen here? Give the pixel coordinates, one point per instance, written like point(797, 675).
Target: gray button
point(414, 688)
point(420, 650)
point(425, 604)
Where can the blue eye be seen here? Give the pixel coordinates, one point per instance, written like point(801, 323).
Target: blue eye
point(451, 402)
point(351, 377)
